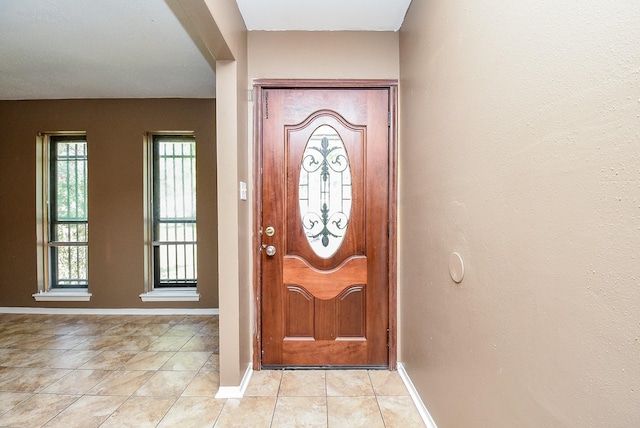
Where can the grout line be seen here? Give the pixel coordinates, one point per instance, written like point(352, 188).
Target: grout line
point(114, 411)
point(375, 394)
point(58, 414)
point(273, 412)
point(326, 396)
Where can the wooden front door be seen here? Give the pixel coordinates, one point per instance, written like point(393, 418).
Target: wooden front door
point(324, 226)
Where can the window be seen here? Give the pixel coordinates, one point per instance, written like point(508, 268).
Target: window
point(172, 213)
point(68, 225)
point(63, 210)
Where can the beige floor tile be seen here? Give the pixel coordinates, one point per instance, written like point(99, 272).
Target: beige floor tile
point(114, 319)
point(264, 383)
point(89, 411)
point(168, 343)
point(36, 411)
point(13, 337)
point(38, 358)
point(399, 411)
point(139, 412)
point(121, 383)
point(212, 364)
point(14, 357)
point(66, 320)
point(204, 384)
point(165, 319)
point(109, 360)
point(11, 399)
point(254, 412)
point(354, 412)
point(31, 341)
point(136, 392)
point(90, 330)
point(29, 380)
point(294, 412)
point(137, 319)
point(193, 412)
point(77, 382)
point(23, 328)
point(190, 361)
point(303, 383)
point(153, 329)
point(348, 383)
point(183, 330)
point(99, 342)
point(8, 373)
point(27, 327)
point(148, 360)
point(58, 328)
point(198, 319)
point(10, 328)
point(209, 329)
point(126, 329)
point(7, 338)
point(131, 343)
point(63, 342)
point(71, 359)
point(386, 382)
point(201, 343)
point(166, 384)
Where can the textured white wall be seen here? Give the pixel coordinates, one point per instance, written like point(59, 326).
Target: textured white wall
point(520, 149)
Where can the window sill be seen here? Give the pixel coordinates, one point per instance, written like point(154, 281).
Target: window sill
point(77, 295)
point(171, 296)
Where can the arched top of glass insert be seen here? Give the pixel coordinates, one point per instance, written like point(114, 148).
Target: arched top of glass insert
point(325, 191)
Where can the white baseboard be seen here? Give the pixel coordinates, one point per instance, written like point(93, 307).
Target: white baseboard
point(100, 311)
point(236, 391)
point(422, 409)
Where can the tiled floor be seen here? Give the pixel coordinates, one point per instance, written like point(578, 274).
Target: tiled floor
point(162, 371)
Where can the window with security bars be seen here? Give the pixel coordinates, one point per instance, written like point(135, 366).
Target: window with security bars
point(68, 230)
point(173, 201)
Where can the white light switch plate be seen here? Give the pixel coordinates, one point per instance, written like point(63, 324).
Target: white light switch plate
point(243, 191)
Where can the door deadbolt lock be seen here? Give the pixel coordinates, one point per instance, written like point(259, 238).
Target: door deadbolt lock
point(270, 250)
point(270, 231)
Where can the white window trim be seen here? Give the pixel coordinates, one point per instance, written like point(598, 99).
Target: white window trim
point(76, 295)
point(45, 292)
point(151, 294)
point(171, 295)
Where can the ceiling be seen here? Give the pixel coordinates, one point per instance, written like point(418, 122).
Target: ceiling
point(323, 15)
point(57, 49)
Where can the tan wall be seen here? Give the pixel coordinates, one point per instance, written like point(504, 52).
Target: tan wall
point(115, 130)
point(519, 149)
point(234, 225)
point(323, 55)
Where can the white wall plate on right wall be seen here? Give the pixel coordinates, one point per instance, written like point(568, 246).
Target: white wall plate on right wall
point(456, 267)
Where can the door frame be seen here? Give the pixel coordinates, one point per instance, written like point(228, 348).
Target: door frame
point(259, 86)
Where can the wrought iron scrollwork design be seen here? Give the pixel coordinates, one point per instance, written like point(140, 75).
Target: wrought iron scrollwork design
point(325, 179)
point(327, 226)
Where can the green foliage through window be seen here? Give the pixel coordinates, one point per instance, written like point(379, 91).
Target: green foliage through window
point(174, 211)
point(68, 208)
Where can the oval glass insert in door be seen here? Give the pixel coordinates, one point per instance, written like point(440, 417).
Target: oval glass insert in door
point(325, 191)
